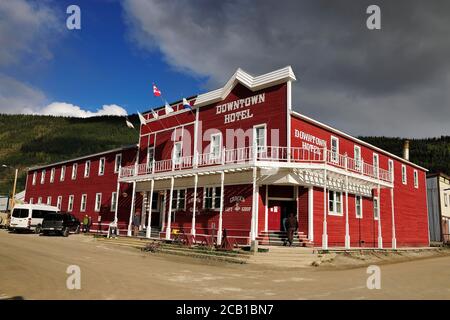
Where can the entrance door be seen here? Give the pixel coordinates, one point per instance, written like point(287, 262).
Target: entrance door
point(278, 211)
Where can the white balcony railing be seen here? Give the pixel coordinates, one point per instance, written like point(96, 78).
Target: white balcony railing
point(266, 154)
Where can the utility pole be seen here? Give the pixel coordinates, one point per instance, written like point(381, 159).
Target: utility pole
point(12, 200)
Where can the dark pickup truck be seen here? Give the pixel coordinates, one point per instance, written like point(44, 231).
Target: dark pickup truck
point(60, 223)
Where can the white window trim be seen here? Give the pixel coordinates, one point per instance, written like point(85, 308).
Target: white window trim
point(405, 176)
point(74, 171)
point(376, 217)
point(49, 200)
point(334, 155)
point(213, 198)
point(98, 202)
point(391, 165)
point(211, 154)
point(59, 202)
point(43, 176)
point(360, 205)
point(178, 160)
point(70, 203)
point(335, 213)
point(176, 192)
point(259, 126)
point(34, 178)
point(87, 168)
point(83, 208)
point(358, 163)
point(416, 179)
point(31, 200)
point(112, 207)
point(100, 171)
point(376, 164)
point(39, 200)
point(52, 175)
point(62, 174)
point(117, 167)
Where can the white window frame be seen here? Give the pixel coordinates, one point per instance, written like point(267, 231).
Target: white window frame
point(404, 175)
point(416, 179)
point(98, 202)
point(213, 198)
point(39, 200)
point(62, 174)
point(52, 175)
point(376, 164)
point(31, 200)
point(176, 197)
point(215, 150)
point(74, 171)
point(83, 202)
point(176, 158)
point(49, 200)
point(334, 153)
point(260, 148)
point(87, 168)
point(359, 216)
point(358, 164)
point(101, 166)
point(376, 208)
point(43, 176)
point(391, 168)
point(150, 159)
point(117, 162)
point(70, 203)
point(113, 201)
point(334, 212)
point(59, 202)
point(34, 178)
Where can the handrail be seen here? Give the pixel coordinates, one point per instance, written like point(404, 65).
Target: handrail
point(266, 154)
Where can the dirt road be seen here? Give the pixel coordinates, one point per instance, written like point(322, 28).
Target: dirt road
point(35, 267)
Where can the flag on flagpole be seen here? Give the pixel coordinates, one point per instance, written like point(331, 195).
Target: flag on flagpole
point(155, 114)
point(186, 104)
point(156, 91)
point(168, 108)
point(129, 124)
point(142, 119)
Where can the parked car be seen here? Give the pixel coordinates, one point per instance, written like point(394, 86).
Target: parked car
point(60, 223)
point(29, 217)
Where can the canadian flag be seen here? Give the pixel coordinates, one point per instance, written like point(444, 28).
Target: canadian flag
point(156, 91)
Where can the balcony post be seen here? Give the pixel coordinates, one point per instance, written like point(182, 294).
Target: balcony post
point(194, 205)
point(133, 200)
point(117, 203)
point(169, 214)
point(325, 209)
point(253, 227)
point(219, 231)
point(347, 227)
point(136, 169)
point(394, 240)
point(362, 166)
point(380, 238)
point(150, 201)
point(153, 166)
point(223, 155)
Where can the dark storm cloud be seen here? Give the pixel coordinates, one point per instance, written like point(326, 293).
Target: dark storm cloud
point(393, 81)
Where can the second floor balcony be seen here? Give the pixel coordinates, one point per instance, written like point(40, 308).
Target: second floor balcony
point(258, 156)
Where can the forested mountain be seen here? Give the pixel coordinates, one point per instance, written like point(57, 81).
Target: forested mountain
point(27, 140)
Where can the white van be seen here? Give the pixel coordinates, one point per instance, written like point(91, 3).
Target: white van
point(29, 216)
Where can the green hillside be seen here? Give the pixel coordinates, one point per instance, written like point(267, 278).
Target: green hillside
point(27, 140)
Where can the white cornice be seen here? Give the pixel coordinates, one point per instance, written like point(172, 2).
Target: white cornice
point(249, 81)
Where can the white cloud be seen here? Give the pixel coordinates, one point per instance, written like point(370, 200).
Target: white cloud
point(69, 110)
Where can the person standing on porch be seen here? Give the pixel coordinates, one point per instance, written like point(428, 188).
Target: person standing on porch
point(136, 222)
point(292, 225)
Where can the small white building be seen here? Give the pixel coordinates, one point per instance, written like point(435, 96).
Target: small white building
point(438, 192)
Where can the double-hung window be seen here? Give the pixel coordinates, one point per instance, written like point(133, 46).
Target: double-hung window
point(357, 157)
point(34, 177)
point(216, 145)
point(416, 179)
point(113, 201)
point(260, 138)
point(335, 202)
point(70, 203)
point(87, 168)
point(404, 177)
point(62, 175)
point(117, 162)
point(74, 171)
point(83, 202)
point(334, 149)
point(358, 207)
point(376, 208)
point(59, 202)
point(179, 200)
point(101, 166)
point(177, 152)
point(376, 164)
point(211, 198)
point(43, 176)
point(52, 175)
point(150, 156)
point(391, 169)
point(49, 200)
point(98, 202)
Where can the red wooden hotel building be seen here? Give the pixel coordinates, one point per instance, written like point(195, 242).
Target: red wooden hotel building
point(242, 159)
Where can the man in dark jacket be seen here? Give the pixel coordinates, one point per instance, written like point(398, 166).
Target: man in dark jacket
point(292, 225)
